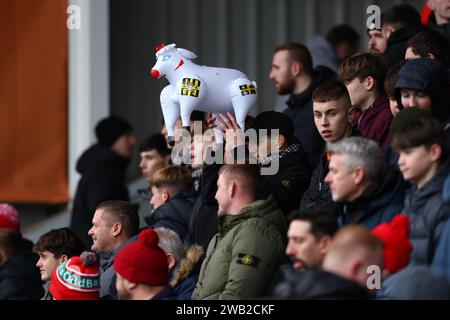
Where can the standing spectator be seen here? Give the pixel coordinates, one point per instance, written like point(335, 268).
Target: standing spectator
point(377, 42)
point(363, 75)
point(115, 224)
point(292, 72)
point(173, 199)
point(76, 279)
point(420, 143)
point(154, 155)
point(54, 248)
point(369, 192)
point(331, 105)
point(340, 43)
point(102, 168)
point(142, 272)
point(242, 257)
point(19, 278)
point(398, 24)
point(439, 20)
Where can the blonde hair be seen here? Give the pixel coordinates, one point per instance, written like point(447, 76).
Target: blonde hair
point(176, 178)
point(193, 255)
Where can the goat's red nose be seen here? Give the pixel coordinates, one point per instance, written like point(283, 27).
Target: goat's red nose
point(154, 73)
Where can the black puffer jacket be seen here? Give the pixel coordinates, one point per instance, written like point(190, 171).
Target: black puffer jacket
point(300, 112)
point(204, 221)
point(102, 178)
point(174, 214)
point(396, 44)
point(316, 284)
point(19, 277)
point(441, 28)
point(318, 195)
point(428, 216)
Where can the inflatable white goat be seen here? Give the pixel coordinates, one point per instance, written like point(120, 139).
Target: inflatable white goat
point(194, 87)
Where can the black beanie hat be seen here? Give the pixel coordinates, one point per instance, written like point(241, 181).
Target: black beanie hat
point(274, 120)
point(110, 129)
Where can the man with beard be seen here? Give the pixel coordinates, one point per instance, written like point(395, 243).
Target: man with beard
point(309, 237)
point(377, 42)
point(292, 72)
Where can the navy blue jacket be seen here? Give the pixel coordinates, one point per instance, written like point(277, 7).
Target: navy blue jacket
point(428, 214)
point(174, 214)
point(381, 205)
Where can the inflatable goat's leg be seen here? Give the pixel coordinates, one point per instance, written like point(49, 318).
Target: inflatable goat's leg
point(171, 112)
point(217, 136)
point(243, 97)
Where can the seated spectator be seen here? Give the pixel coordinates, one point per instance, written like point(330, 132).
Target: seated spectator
point(398, 24)
point(310, 235)
point(293, 73)
point(142, 272)
point(331, 105)
point(54, 248)
point(76, 279)
point(428, 44)
point(173, 198)
point(183, 281)
point(423, 83)
point(416, 282)
point(344, 270)
point(154, 155)
point(242, 257)
point(19, 278)
point(114, 225)
point(363, 75)
point(368, 191)
point(420, 143)
point(389, 87)
point(340, 43)
point(186, 274)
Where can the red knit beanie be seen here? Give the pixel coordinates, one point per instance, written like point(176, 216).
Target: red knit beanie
point(9, 217)
point(76, 279)
point(143, 261)
point(395, 238)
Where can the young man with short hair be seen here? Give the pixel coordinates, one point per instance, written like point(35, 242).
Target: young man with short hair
point(242, 257)
point(363, 75)
point(428, 44)
point(53, 248)
point(331, 105)
point(173, 199)
point(420, 142)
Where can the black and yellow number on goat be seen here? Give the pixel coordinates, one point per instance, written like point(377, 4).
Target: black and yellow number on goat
point(247, 89)
point(190, 87)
